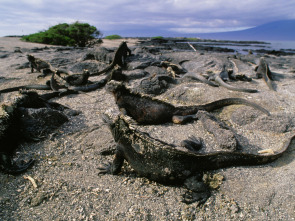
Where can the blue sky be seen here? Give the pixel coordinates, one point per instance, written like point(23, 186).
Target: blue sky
point(18, 17)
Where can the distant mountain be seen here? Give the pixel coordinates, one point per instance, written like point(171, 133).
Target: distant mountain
point(274, 31)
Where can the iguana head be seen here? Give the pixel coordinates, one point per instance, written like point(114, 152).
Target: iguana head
point(110, 118)
point(86, 72)
point(117, 88)
point(114, 86)
point(30, 57)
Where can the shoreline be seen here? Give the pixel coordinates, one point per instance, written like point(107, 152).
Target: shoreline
point(266, 47)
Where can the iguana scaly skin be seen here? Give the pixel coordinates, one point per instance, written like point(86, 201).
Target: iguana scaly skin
point(119, 58)
point(166, 163)
point(147, 110)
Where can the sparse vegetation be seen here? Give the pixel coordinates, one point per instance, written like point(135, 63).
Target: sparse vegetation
point(76, 34)
point(193, 39)
point(112, 37)
point(158, 37)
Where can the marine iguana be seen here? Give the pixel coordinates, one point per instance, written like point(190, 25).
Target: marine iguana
point(146, 110)
point(167, 163)
point(119, 58)
point(38, 64)
point(263, 71)
point(9, 134)
point(219, 80)
point(74, 85)
point(76, 79)
point(155, 84)
point(74, 82)
point(26, 87)
point(89, 87)
point(10, 124)
point(172, 68)
point(225, 76)
point(198, 77)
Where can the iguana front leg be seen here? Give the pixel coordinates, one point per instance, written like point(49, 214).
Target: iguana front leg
point(32, 68)
point(177, 119)
point(114, 167)
point(10, 167)
point(197, 190)
point(192, 143)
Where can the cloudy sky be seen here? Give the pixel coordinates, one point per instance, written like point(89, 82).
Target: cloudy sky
point(19, 17)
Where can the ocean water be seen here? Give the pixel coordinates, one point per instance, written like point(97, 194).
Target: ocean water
point(277, 45)
point(244, 47)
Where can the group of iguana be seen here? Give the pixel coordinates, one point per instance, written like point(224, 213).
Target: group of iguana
point(165, 162)
point(150, 157)
point(58, 85)
point(73, 83)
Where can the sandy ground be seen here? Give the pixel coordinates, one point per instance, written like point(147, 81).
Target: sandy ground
point(9, 44)
point(68, 185)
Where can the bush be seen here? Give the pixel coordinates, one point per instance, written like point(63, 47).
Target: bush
point(76, 34)
point(112, 37)
point(158, 37)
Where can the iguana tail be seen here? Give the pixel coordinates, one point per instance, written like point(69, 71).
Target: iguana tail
point(108, 68)
point(89, 87)
point(226, 159)
point(230, 101)
point(26, 87)
point(232, 88)
point(200, 78)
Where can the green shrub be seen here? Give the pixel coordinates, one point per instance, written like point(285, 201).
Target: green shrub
point(112, 37)
point(193, 39)
point(158, 37)
point(76, 34)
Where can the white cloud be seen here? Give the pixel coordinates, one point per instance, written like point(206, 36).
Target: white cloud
point(205, 30)
point(215, 15)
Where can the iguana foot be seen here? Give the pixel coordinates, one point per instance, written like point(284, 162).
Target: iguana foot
point(177, 119)
point(192, 143)
point(197, 190)
point(105, 168)
point(191, 197)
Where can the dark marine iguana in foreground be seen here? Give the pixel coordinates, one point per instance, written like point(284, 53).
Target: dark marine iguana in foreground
point(119, 58)
point(167, 163)
point(147, 110)
point(14, 125)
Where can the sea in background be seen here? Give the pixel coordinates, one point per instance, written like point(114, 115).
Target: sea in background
point(244, 47)
point(277, 45)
